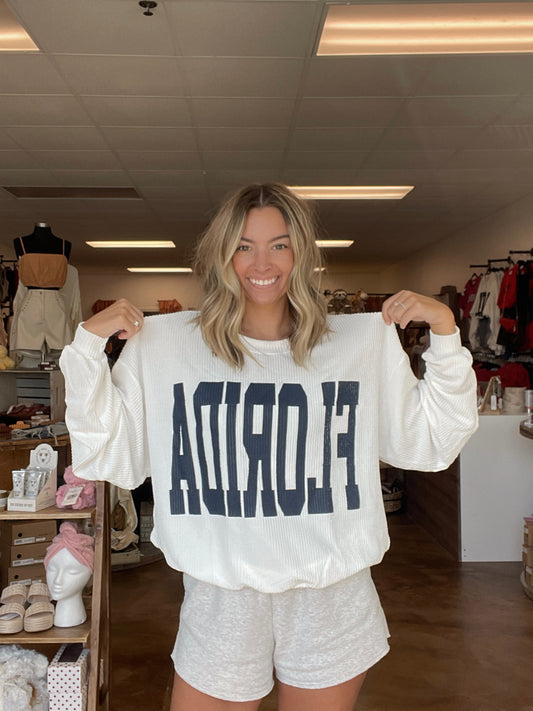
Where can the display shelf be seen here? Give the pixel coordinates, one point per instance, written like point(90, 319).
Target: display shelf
point(94, 632)
point(55, 635)
point(49, 513)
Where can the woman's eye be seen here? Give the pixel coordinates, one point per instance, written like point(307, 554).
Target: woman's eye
point(281, 245)
point(243, 248)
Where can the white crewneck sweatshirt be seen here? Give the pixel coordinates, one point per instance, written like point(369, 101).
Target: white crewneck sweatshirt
point(266, 477)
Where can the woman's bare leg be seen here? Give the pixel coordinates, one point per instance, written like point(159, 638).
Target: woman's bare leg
point(341, 697)
point(187, 698)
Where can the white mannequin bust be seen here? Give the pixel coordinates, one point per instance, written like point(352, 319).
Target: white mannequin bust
point(66, 577)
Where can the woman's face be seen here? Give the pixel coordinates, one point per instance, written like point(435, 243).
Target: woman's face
point(264, 258)
point(66, 576)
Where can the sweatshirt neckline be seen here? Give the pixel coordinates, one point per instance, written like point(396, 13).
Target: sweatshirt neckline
point(266, 347)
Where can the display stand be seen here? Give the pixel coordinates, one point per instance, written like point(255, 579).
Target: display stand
point(94, 633)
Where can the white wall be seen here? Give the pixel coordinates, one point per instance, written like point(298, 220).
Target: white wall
point(141, 289)
point(447, 261)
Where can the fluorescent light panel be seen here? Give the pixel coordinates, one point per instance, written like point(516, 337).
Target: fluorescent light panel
point(439, 28)
point(145, 270)
point(327, 243)
point(131, 244)
point(352, 192)
point(13, 37)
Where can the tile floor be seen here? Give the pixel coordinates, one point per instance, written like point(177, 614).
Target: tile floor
point(462, 635)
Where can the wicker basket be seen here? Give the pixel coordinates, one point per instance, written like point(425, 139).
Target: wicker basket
point(393, 501)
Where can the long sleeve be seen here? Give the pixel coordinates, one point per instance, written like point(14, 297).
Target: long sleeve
point(425, 423)
point(105, 412)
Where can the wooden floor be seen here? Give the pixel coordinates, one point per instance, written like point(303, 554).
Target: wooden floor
point(461, 634)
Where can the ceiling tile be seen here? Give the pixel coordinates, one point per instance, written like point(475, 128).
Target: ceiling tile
point(241, 160)
point(165, 178)
point(154, 138)
point(39, 110)
point(450, 110)
point(95, 27)
point(84, 160)
point(335, 138)
point(518, 112)
point(121, 76)
point(322, 160)
point(239, 29)
point(407, 159)
point(504, 137)
point(30, 74)
point(6, 141)
point(26, 177)
point(242, 112)
point(137, 111)
point(499, 159)
point(364, 76)
point(478, 75)
point(427, 137)
point(347, 112)
point(160, 160)
point(92, 178)
point(57, 137)
point(250, 76)
point(242, 138)
point(17, 159)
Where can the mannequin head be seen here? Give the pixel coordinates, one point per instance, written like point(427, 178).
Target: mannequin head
point(66, 576)
point(69, 564)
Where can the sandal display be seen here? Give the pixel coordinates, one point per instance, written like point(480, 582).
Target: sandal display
point(11, 618)
point(39, 617)
point(16, 592)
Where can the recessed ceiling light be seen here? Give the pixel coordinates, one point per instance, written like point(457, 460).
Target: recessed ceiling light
point(428, 28)
point(13, 37)
point(144, 270)
point(352, 192)
point(131, 244)
point(326, 243)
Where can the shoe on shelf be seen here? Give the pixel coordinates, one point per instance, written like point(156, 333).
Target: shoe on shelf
point(16, 592)
point(11, 618)
point(39, 617)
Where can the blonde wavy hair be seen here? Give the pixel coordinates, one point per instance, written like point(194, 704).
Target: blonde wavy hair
point(224, 303)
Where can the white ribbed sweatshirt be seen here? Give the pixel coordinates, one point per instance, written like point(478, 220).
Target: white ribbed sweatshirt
point(266, 477)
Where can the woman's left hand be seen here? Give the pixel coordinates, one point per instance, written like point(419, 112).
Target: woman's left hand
point(406, 306)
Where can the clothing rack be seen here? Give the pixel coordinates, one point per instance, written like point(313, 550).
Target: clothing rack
point(7, 261)
point(521, 251)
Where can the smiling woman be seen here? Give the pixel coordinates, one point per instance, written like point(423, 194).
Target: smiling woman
point(262, 422)
point(263, 264)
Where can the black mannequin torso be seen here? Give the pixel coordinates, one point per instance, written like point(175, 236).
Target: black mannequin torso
point(43, 241)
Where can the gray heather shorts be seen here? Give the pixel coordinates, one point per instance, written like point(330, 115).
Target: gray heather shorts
point(231, 641)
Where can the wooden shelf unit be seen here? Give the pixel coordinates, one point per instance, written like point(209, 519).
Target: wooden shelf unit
point(94, 633)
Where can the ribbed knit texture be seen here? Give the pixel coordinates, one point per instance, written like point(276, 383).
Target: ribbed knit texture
point(226, 512)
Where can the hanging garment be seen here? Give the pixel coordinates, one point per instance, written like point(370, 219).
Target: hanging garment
point(485, 315)
point(524, 305)
point(43, 270)
point(34, 311)
point(508, 333)
point(467, 298)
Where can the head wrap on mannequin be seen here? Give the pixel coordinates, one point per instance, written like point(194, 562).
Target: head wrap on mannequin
point(78, 544)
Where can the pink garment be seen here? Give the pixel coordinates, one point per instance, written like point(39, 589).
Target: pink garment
point(78, 544)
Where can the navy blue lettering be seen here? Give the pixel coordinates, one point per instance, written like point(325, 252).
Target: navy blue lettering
point(233, 496)
point(209, 395)
point(258, 447)
point(182, 464)
point(348, 396)
point(320, 500)
point(291, 501)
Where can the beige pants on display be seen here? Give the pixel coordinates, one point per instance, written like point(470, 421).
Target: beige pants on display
point(42, 319)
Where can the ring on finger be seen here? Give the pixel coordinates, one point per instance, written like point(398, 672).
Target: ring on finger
point(399, 303)
point(135, 323)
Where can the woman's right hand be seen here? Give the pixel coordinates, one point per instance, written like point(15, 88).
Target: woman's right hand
point(122, 318)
